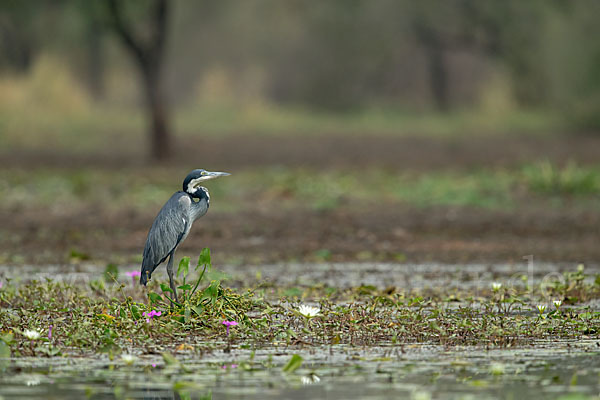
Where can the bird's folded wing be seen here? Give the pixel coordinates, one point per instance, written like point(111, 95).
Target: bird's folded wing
point(168, 229)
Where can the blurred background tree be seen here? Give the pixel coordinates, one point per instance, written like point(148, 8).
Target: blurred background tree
point(334, 57)
point(144, 37)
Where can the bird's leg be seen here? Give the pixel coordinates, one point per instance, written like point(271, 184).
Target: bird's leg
point(170, 273)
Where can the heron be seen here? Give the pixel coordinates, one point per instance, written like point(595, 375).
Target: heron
point(173, 224)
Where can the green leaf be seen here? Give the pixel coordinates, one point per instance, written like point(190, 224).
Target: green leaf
point(294, 363)
point(184, 266)
point(169, 359)
point(4, 353)
point(155, 297)
point(136, 312)
point(49, 351)
point(185, 287)
point(111, 272)
point(198, 309)
point(292, 292)
point(97, 284)
point(212, 291)
point(207, 396)
point(323, 254)
point(204, 259)
point(187, 315)
point(7, 337)
point(574, 379)
point(77, 255)
point(165, 288)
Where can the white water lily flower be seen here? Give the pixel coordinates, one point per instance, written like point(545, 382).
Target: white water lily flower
point(128, 358)
point(557, 303)
point(33, 380)
point(32, 334)
point(496, 286)
point(310, 379)
point(308, 311)
point(541, 308)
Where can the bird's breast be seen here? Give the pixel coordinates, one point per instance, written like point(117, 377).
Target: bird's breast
point(198, 209)
point(185, 201)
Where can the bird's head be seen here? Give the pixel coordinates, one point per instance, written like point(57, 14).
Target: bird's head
point(192, 183)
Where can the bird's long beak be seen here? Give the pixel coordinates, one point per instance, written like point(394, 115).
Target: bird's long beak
point(212, 175)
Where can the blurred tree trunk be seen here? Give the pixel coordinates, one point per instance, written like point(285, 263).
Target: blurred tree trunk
point(148, 55)
point(17, 45)
point(96, 60)
point(438, 74)
point(157, 108)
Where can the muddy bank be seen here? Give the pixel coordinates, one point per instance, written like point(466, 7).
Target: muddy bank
point(325, 151)
point(388, 233)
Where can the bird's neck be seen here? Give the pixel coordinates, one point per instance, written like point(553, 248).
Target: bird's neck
point(202, 194)
point(200, 202)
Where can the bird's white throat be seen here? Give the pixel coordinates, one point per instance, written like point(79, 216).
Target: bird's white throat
point(193, 185)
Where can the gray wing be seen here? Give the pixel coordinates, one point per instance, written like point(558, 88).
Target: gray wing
point(166, 233)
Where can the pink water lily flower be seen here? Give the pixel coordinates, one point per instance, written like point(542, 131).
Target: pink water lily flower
point(150, 315)
point(228, 324)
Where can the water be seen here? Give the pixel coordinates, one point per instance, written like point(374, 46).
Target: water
point(419, 371)
point(471, 277)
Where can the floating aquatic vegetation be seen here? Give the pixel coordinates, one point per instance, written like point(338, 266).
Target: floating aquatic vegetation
point(85, 320)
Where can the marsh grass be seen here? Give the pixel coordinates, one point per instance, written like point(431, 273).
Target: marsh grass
point(570, 179)
point(108, 318)
point(502, 188)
